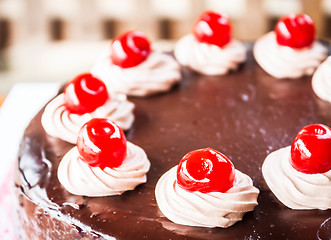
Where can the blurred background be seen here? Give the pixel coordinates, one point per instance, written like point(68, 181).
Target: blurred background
point(47, 40)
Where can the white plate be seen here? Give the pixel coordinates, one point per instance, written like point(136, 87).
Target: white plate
point(22, 103)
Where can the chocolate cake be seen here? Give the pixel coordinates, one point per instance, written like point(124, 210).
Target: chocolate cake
point(245, 114)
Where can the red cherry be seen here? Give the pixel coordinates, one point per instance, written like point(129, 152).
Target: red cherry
point(101, 143)
point(311, 149)
point(84, 94)
point(295, 31)
point(130, 49)
point(213, 28)
point(205, 170)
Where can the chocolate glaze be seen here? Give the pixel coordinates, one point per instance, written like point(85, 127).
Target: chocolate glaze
point(246, 115)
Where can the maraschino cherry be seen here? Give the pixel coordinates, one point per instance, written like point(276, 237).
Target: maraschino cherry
point(295, 31)
point(213, 28)
point(311, 149)
point(130, 49)
point(205, 170)
point(101, 143)
point(84, 94)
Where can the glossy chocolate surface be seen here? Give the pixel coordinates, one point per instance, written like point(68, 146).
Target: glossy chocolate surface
point(246, 115)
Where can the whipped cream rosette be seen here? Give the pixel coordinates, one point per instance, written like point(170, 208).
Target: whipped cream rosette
point(84, 98)
point(133, 68)
point(210, 50)
point(300, 175)
point(103, 163)
point(290, 51)
point(321, 81)
point(205, 190)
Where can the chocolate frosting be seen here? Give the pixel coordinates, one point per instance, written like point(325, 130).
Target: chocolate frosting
point(246, 115)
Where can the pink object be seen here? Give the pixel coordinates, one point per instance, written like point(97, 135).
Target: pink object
point(6, 211)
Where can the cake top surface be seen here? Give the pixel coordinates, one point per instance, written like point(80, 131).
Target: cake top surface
point(245, 114)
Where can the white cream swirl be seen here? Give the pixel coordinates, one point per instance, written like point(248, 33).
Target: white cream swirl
point(214, 209)
point(78, 178)
point(209, 59)
point(285, 62)
point(156, 74)
point(294, 189)
point(321, 81)
point(60, 123)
